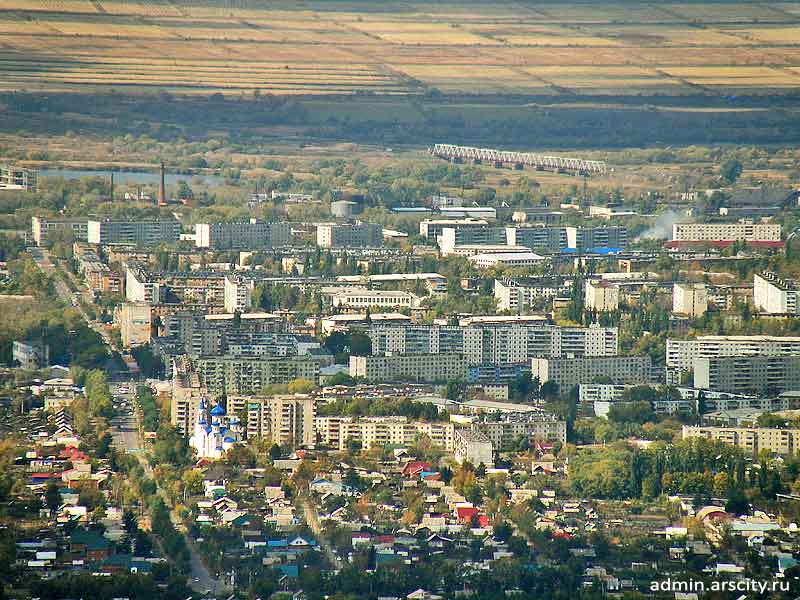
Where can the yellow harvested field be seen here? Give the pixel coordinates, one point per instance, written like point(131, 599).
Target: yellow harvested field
point(340, 46)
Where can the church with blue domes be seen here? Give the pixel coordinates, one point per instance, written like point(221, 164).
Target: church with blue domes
point(215, 439)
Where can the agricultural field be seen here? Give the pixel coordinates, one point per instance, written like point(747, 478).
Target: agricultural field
point(399, 48)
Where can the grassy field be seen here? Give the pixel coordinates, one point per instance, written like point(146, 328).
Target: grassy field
point(322, 47)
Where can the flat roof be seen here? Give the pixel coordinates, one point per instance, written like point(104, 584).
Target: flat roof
point(503, 256)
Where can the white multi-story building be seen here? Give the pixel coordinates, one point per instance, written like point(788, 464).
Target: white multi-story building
point(138, 288)
point(134, 323)
point(238, 293)
point(601, 296)
point(354, 235)
point(451, 237)
point(506, 259)
point(517, 295)
point(248, 235)
point(569, 372)
point(751, 440)
point(432, 228)
point(363, 298)
point(371, 432)
point(741, 231)
point(410, 367)
point(689, 299)
point(774, 295)
point(494, 343)
point(285, 420)
point(681, 354)
point(474, 446)
point(143, 233)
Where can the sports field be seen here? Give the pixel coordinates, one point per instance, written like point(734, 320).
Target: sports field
point(397, 48)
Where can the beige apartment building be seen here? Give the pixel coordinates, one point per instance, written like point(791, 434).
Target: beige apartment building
point(751, 440)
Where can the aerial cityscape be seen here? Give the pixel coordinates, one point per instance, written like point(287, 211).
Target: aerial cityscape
point(381, 300)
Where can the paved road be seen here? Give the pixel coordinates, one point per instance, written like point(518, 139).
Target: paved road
point(312, 520)
point(125, 424)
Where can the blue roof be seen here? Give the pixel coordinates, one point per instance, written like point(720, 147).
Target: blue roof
point(277, 543)
point(604, 250)
point(229, 440)
point(289, 570)
point(217, 410)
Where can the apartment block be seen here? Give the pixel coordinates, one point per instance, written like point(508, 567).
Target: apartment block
point(751, 440)
point(748, 374)
point(689, 299)
point(433, 368)
point(42, 227)
point(505, 429)
point(285, 420)
point(774, 295)
point(432, 228)
point(741, 231)
point(601, 296)
point(519, 294)
point(17, 178)
point(135, 323)
point(550, 240)
point(248, 235)
point(140, 233)
point(349, 235)
point(473, 446)
point(569, 372)
point(238, 292)
point(234, 375)
point(451, 237)
point(382, 431)
point(681, 354)
point(494, 343)
point(139, 288)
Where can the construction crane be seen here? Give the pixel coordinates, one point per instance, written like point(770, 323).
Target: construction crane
point(519, 159)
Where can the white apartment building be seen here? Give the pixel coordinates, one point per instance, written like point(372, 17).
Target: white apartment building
point(774, 295)
point(517, 295)
point(506, 259)
point(432, 228)
point(474, 446)
point(139, 289)
point(741, 231)
point(411, 367)
point(285, 420)
point(363, 298)
point(134, 323)
point(601, 296)
point(372, 432)
point(248, 235)
point(355, 235)
point(238, 293)
point(681, 354)
point(689, 299)
point(569, 372)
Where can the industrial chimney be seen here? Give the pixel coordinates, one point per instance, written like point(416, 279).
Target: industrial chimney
point(162, 190)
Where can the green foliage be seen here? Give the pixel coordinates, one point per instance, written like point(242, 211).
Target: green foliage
point(367, 407)
point(730, 170)
point(151, 413)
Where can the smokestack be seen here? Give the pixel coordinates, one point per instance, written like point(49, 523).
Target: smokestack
point(112, 186)
point(162, 190)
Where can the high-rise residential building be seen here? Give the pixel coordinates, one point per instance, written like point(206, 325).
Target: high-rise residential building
point(569, 372)
point(451, 237)
point(741, 231)
point(134, 323)
point(238, 293)
point(139, 287)
point(520, 294)
point(601, 295)
point(285, 420)
point(349, 235)
point(494, 343)
point(336, 431)
point(17, 178)
point(774, 295)
point(507, 428)
point(438, 368)
point(681, 354)
point(432, 228)
point(141, 233)
point(42, 226)
point(234, 375)
point(543, 239)
point(249, 235)
point(473, 446)
point(590, 238)
point(689, 299)
point(770, 375)
point(751, 440)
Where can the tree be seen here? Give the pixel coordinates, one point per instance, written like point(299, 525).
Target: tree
point(300, 386)
point(52, 497)
point(453, 391)
point(360, 344)
point(730, 170)
point(193, 482)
